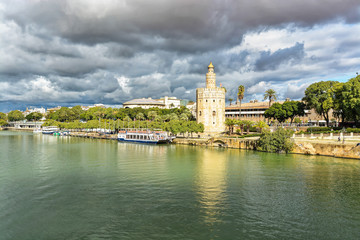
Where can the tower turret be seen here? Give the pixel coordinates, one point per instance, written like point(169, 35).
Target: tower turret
point(210, 77)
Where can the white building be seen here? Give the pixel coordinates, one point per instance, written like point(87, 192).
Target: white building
point(37, 110)
point(170, 102)
point(165, 102)
point(144, 103)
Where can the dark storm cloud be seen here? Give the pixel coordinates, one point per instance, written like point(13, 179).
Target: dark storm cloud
point(72, 51)
point(181, 26)
point(270, 61)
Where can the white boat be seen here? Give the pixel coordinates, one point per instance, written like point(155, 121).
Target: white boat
point(49, 130)
point(144, 136)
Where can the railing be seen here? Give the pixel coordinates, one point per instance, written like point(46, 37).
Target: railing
point(334, 136)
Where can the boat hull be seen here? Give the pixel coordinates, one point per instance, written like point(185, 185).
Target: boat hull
point(143, 141)
point(49, 133)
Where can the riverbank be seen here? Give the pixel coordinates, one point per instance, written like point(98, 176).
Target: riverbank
point(321, 147)
point(307, 146)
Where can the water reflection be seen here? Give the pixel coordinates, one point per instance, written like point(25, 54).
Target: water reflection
point(211, 183)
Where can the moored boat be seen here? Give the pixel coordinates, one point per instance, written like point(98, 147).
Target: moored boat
point(49, 130)
point(144, 136)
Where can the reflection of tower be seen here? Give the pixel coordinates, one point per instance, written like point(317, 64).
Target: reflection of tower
point(212, 183)
point(210, 104)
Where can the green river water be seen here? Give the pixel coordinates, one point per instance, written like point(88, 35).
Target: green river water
point(75, 188)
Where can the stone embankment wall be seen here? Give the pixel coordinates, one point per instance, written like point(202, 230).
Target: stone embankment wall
point(333, 149)
point(240, 143)
point(302, 146)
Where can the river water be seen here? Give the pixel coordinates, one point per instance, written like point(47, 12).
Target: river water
point(75, 188)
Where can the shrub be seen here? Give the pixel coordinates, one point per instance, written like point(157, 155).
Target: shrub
point(322, 129)
point(354, 130)
point(278, 141)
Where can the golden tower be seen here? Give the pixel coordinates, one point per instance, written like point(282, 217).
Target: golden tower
point(210, 104)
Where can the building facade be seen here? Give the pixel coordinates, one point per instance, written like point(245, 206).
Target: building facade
point(254, 111)
point(146, 103)
point(210, 104)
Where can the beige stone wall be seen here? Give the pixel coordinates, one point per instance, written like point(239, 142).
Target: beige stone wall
point(211, 109)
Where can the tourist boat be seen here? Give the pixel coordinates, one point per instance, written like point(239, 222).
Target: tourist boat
point(49, 130)
point(144, 136)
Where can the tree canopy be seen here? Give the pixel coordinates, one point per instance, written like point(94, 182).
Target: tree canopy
point(320, 97)
point(282, 112)
point(347, 100)
point(34, 116)
point(15, 115)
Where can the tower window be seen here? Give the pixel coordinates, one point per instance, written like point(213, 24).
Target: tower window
point(213, 100)
point(214, 113)
point(200, 113)
point(206, 100)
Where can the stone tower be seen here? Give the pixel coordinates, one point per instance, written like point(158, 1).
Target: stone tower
point(210, 104)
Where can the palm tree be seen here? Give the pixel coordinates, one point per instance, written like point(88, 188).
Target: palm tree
point(240, 96)
point(152, 115)
point(248, 124)
point(271, 95)
point(261, 125)
point(230, 100)
point(240, 123)
point(230, 123)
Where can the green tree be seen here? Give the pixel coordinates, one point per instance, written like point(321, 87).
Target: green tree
point(261, 125)
point(320, 97)
point(293, 109)
point(34, 116)
point(3, 122)
point(340, 91)
point(247, 125)
point(15, 115)
point(271, 95)
point(229, 122)
point(3, 116)
point(173, 116)
point(277, 112)
point(183, 117)
point(127, 119)
point(140, 116)
point(241, 125)
point(230, 100)
point(158, 118)
point(347, 100)
point(151, 115)
point(278, 141)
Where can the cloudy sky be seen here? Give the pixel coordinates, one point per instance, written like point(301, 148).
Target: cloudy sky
point(68, 52)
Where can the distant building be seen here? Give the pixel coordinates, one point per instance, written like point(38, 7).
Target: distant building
point(51, 110)
point(144, 103)
point(192, 107)
point(31, 110)
point(165, 102)
point(210, 104)
point(170, 102)
point(254, 111)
